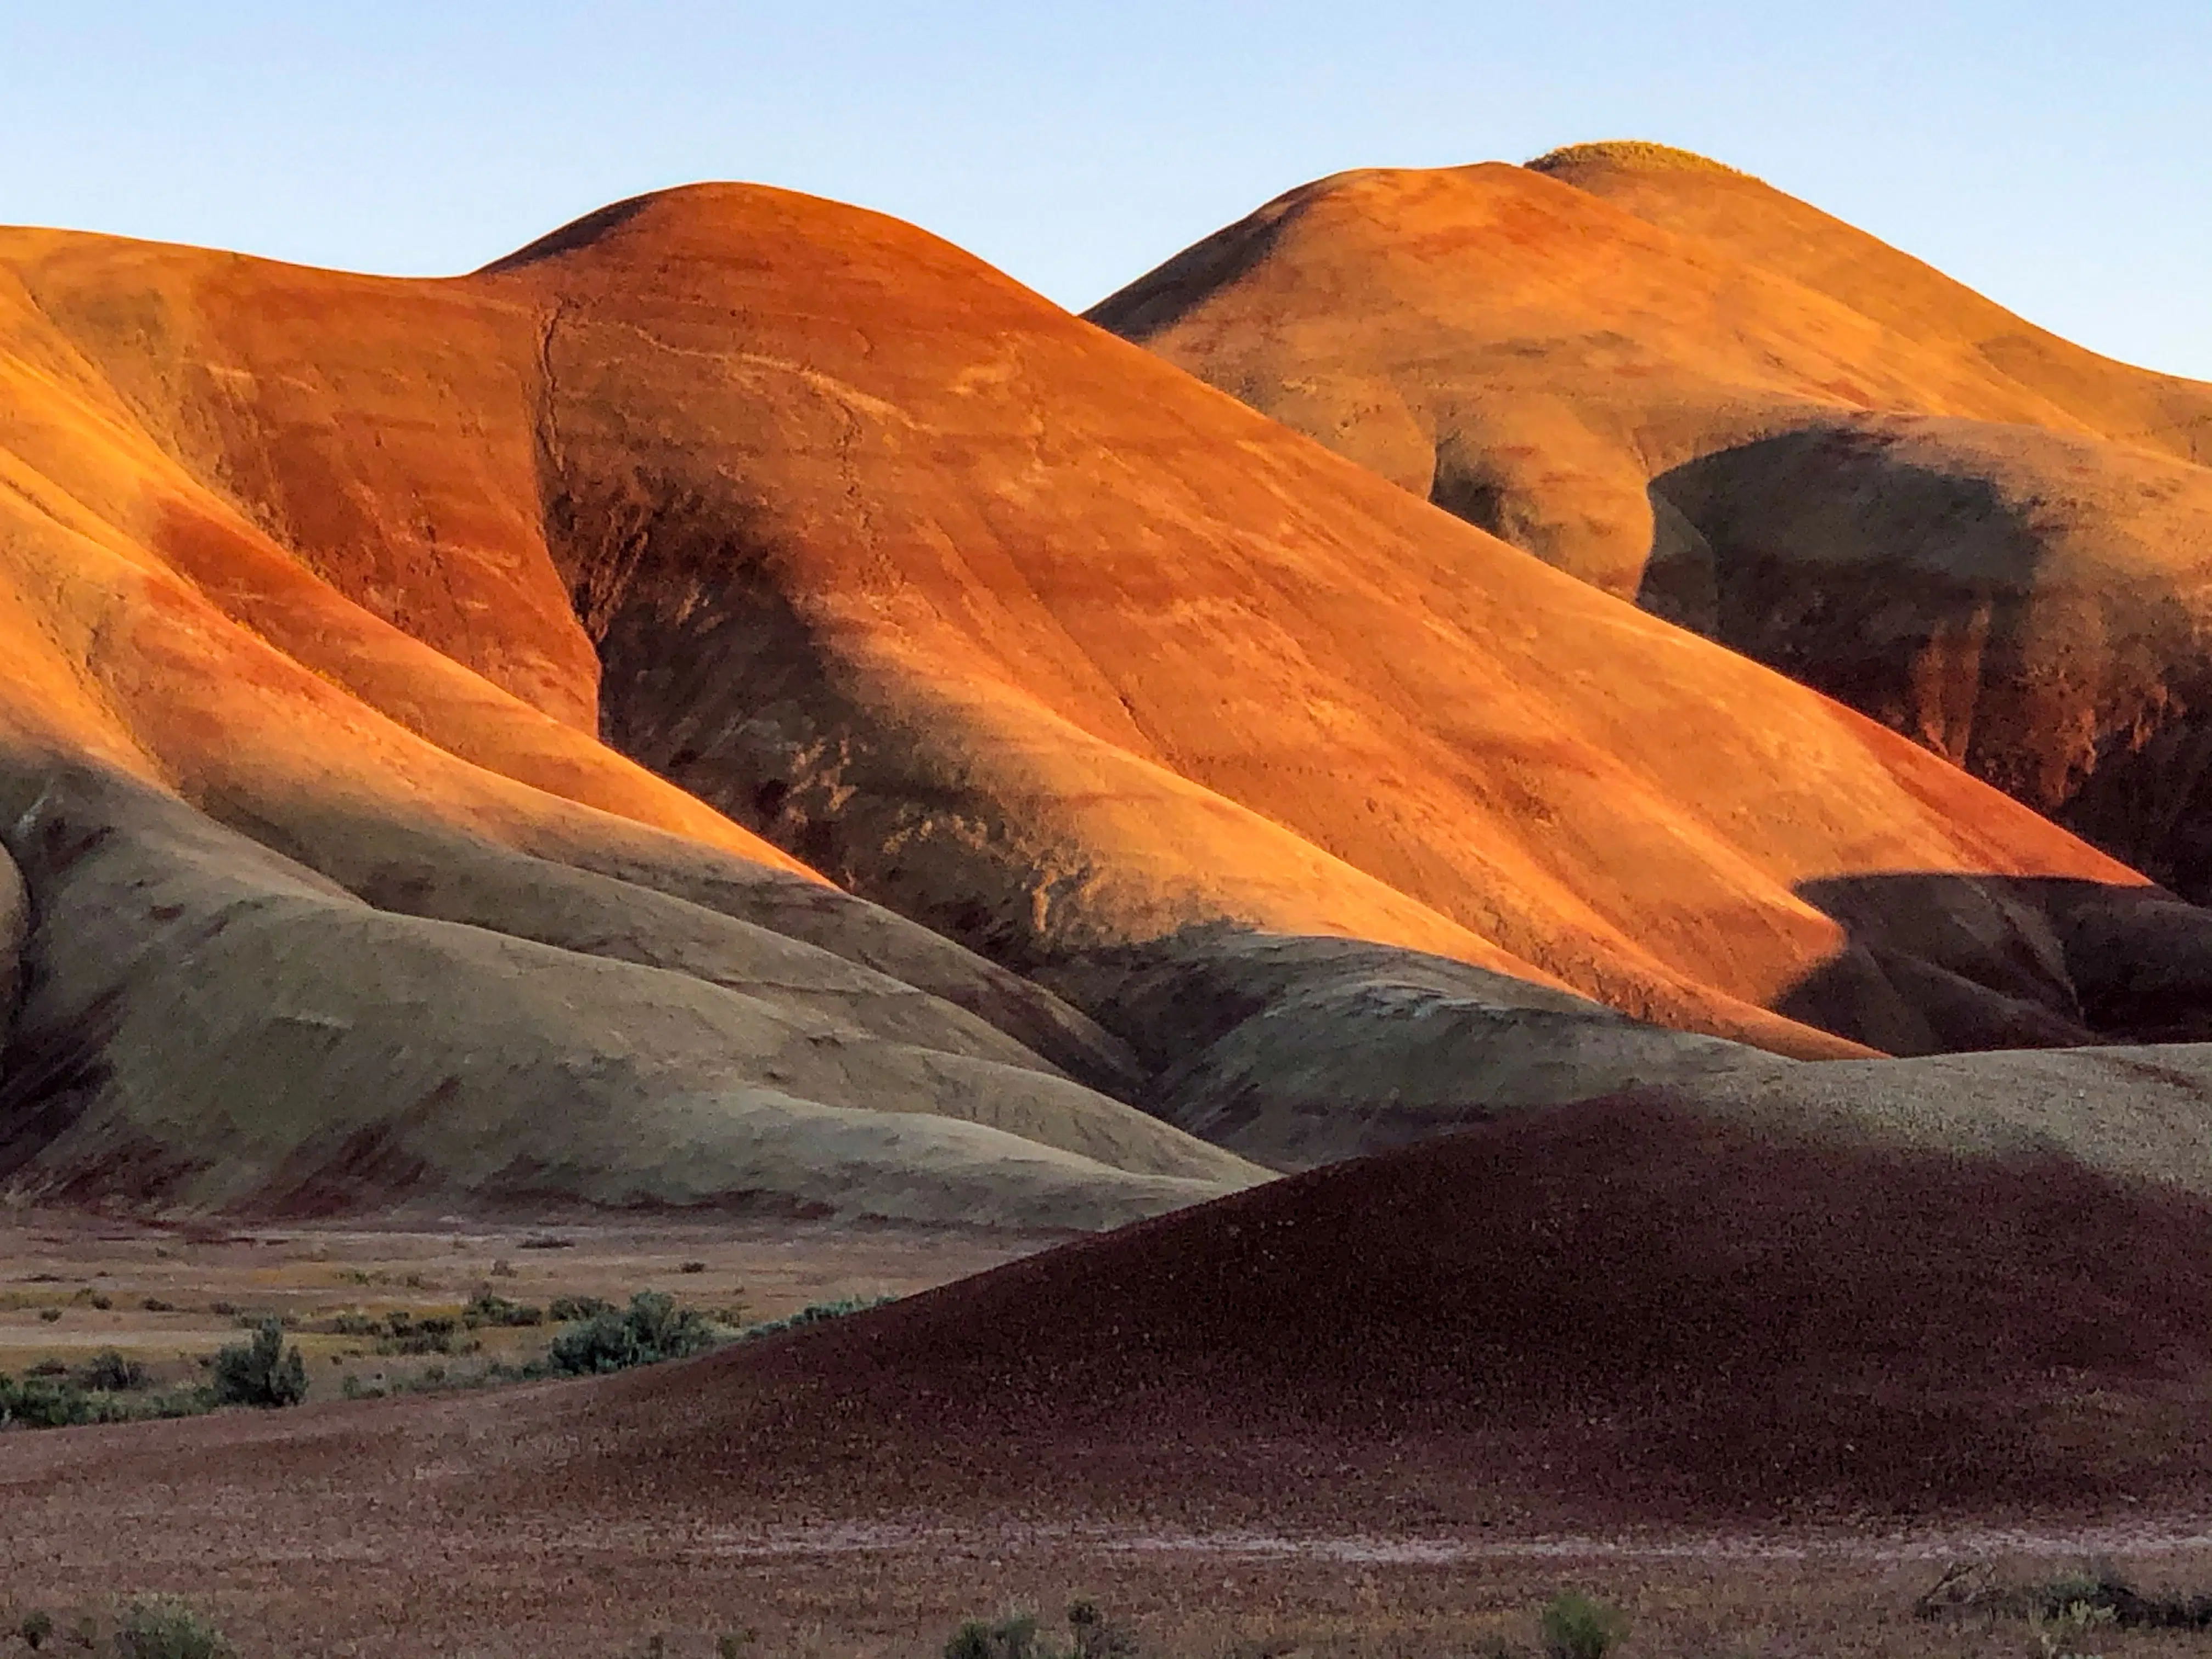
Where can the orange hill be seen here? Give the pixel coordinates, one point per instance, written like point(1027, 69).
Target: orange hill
point(322, 593)
point(1685, 386)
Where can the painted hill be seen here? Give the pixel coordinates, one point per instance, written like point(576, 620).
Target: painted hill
point(434, 708)
point(1686, 386)
point(1572, 1313)
point(1612, 1314)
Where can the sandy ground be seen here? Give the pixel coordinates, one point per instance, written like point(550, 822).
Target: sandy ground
point(72, 1285)
point(375, 1588)
point(384, 1528)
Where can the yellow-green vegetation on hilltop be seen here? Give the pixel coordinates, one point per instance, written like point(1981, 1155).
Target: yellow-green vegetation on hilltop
point(1628, 152)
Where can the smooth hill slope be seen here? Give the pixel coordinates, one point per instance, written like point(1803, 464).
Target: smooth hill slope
point(1778, 233)
point(1551, 1317)
point(1071, 671)
point(421, 943)
point(1682, 384)
point(1033, 639)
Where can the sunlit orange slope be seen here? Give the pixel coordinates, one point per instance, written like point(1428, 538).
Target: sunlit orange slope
point(863, 560)
point(1044, 644)
point(1687, 387)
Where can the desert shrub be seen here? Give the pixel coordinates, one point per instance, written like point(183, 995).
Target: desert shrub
point(491, 1309)
point(35, 1402)
point(651, 1329)
point(567, 1309)
point(47, 1402)
point(2063, 1609)
point(37, 1629)
point(111, 1371)
point(816, 1313)
point(1098, 1636)
point(2059, 1634)
point(2076, 1601)
point(262, 1372)
point(163, 1627)
point(692, 1267)
point(405, 1333)
point(154, 1304)
point(1576, 1627)
point(1016, 1636)
point(51, 1316)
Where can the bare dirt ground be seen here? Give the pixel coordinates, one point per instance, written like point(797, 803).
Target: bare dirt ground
point(485, 1523)
point(365, 1572)
point(72, 1285)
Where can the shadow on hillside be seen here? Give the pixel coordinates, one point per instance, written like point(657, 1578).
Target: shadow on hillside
point(1941, 963)
point(1903, 569)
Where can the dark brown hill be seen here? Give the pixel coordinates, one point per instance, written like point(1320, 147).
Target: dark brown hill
point(1614, 1311)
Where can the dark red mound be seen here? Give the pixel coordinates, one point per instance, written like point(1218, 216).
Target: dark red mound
point(1612, 1309)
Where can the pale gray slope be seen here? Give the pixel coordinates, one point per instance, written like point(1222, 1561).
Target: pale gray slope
point(2142, 1114)
point(213, 1025)
point(1296, 1051)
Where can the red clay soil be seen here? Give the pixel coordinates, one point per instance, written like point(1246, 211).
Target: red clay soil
point(1614, 1312)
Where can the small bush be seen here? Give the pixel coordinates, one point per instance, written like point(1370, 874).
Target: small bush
point(154, 1304)
point(162, 1627)
point(692, 1267)
point(51, 1316)
point(48, 1402)
point(491, 1309)
point(35, 1402)
point(1576, 1627)
point(262, 1372)
point(1016, 1636)
point(817, 1312)
point(651, 1329)
point(2059, 1634)
point(567, 1309)
point(2065, 1606)
point(1098, 1636)
point(434, 1334)
point(36, 1629)
point(110, 1371)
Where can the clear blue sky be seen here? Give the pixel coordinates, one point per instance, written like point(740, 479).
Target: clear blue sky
point(2057, 156)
